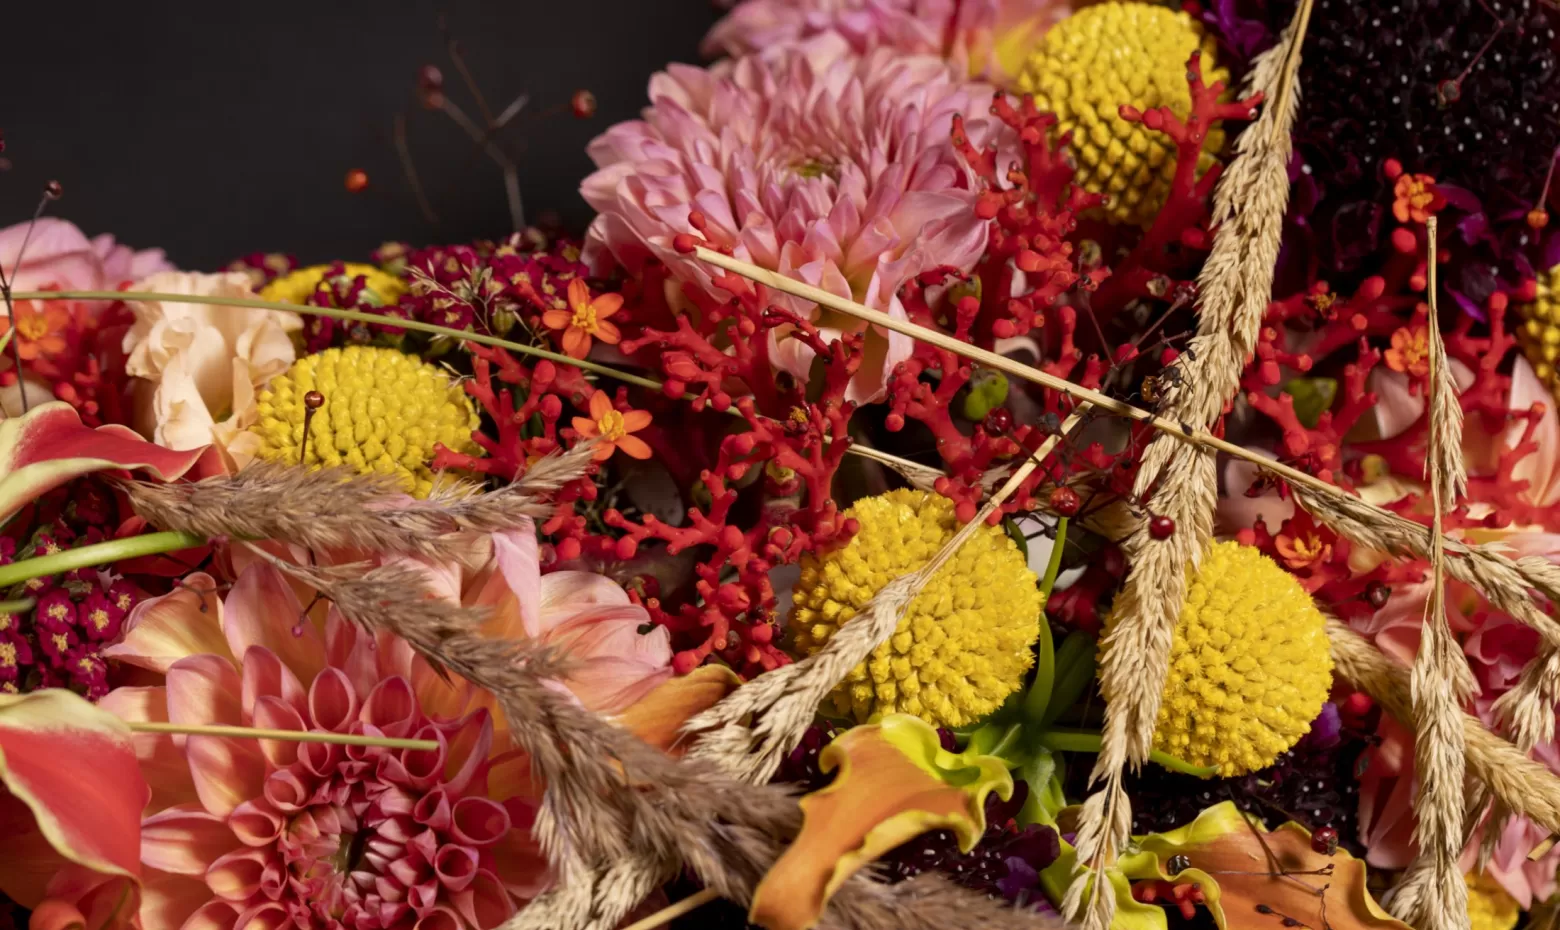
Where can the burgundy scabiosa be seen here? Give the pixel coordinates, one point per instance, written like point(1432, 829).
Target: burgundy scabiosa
point(831, 168)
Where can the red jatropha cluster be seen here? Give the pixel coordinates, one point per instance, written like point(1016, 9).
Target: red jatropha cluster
point(1340, 342)
point(72, 347)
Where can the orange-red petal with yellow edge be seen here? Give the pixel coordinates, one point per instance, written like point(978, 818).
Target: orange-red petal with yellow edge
point(73, 766)
point(658, 717)
point(890, 788)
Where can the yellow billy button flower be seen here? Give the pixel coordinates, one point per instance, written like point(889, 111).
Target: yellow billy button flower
point(1539, 331)
point(298, 286)
point(964, 643)
point(1489, 906)
point(1104, 56)
point(1249, 665)
point(383, 412)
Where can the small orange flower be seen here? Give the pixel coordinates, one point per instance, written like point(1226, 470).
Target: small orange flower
point(1410, 351)
point(1302, 550)
point(585, 319)
point(1416, 198)
point(40, 329)
point(613, 426)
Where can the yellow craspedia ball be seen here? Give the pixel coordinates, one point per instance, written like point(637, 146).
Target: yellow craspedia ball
point(383, 411)
point(1489, 906)
point(1539, 331)
point(1107, 55)
point(1249, 665)
point(296, 287)
point(963, 645)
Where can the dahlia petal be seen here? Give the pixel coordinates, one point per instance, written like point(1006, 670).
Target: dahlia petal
point(423, 768)
point(510, 776)
point(391, 708)
point(485, 903)
point(162, 630)
point(659, 716)
point(518, 859)
point(184, 840)
point(56, 914)
point(563, 594)
point(161, 755)
point(518, 561)
point(433, 810)
point(455, 866)
point(333, 702)
point(213, 915)
point(168, 900)
point(266, 676)
point(267, 916)
point(271, 713)
point(256, 823)
point(478, 821)
point(262, 610)
point(236, 876)
point(204, 690)
point(1541, 469)
point(356, 654)
point(468, 749)
point(439, 918)
point(227, 772)
point(73, 766)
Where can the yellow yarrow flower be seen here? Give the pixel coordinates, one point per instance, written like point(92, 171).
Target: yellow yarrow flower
point(383, 412)
point(1489, 906)
point(1107, 55)
point(1539, 331)
point(1249, 665)
point(298, 286)
point(963, 645)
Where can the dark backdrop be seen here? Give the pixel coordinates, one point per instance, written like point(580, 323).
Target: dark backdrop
point(222, 127)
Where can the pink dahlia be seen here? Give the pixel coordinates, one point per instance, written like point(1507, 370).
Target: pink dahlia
point(829, 167)
point(986, 38)
point(243, 833)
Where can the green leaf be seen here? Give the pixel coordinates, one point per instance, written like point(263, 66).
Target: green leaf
point(1074, 671)
point(1039, 696)
point(1044, 777)
point(1312, 398)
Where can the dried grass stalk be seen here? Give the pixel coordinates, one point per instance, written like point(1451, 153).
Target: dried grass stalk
point(1432, 894)
point(784, 702)
point(679, 813)
point(334, 509)
point(1526, 786)
point(1236, 284)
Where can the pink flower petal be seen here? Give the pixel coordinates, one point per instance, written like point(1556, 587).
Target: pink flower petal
point(204, 690)
point(184, 840)
point(262, 610)
point(227, 772)
point(1541, 469)
point(161, 756)
point(185, 622)
point(516, 555)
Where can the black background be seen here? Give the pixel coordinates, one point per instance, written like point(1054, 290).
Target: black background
point(213, 129)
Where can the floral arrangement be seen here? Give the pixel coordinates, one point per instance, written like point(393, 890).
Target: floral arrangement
point(995, 464)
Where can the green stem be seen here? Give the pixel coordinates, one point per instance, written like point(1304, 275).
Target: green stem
point(461, 334)
point(1054, 565)
point(1042, 689)
point(1089, 741)
point(355, 316)
point(18, 606)
point(115, 550)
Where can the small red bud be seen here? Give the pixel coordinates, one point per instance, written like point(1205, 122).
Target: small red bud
point(1498, 302)
point(627, 547)
point(583, 103)
point(684, 662)
point(762, 633)
point(1392, 168)
point(1538, 218)
point(551, 407)
point(1065, 502)
point(894, 422)
point(965, 511)
point(568, 550)
point(357, 181)
point(684, 243)
point(1161, 527)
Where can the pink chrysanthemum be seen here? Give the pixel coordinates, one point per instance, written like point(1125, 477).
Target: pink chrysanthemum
point(829, 167)
point(986, 37)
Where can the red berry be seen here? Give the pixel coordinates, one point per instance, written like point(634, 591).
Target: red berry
point(1377, 594)
point(583, 103)
point(357, 181)
point(1161, 527)
point(1064, 502)
point(1324, 841)
point(998, 421)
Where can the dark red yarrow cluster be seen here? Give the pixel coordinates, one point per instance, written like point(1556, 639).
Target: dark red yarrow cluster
point(59, 642)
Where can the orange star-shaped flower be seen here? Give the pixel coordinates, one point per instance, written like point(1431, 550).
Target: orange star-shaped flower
point(1416, 198)
point(1410, 352)
point(41, 329)
point(586, 319)
point(613, 426)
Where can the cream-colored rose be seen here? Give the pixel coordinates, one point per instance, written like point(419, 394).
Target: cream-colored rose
point(202, 363)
